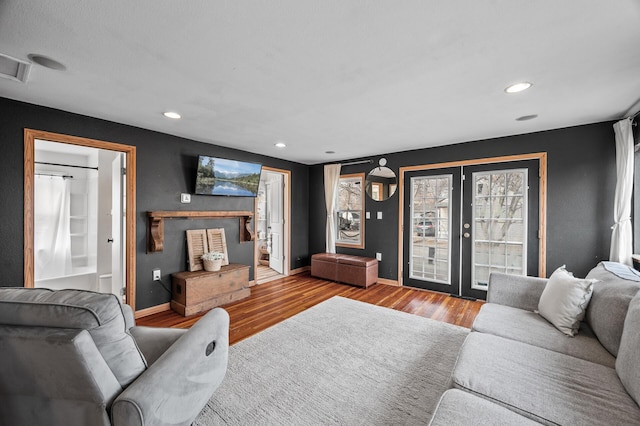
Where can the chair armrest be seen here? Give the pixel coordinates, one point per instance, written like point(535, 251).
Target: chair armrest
point(154, 341)
point(515, 290)
point(175, 388)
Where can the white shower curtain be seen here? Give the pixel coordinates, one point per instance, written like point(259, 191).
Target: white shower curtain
point(622, 236)
point(52, 236)
point(331, 181)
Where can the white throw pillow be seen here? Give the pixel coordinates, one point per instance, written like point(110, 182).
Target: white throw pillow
point(564, 300)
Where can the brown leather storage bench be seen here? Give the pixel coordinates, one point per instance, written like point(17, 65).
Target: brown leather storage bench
point(345, 268)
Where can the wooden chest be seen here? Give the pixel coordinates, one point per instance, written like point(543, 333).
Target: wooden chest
point(194, 292)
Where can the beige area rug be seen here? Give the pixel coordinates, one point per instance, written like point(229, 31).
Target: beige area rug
point(340, 362)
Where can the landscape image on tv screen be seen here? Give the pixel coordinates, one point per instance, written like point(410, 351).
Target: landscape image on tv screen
point(219, 176)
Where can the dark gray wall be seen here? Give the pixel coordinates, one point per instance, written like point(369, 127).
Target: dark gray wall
point(581, 184)
point(166, 167)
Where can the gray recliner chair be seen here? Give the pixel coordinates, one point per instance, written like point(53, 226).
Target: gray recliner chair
point(73, 357)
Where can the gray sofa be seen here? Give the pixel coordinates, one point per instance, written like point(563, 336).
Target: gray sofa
point(72, 357)
point(517, 368)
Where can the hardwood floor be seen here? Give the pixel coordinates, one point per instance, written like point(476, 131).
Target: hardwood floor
point(264, 274)
point(278, 300)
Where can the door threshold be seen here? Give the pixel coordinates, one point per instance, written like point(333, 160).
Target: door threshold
point(473, 299)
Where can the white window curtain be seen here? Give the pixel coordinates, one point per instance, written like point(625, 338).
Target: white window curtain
point(331, 181)
point(52, 233)
point(622, 236)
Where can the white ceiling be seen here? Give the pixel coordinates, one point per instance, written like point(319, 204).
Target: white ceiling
point(356, 77)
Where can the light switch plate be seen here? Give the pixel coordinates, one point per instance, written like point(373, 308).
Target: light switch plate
point(379, 215)
point(379, 256)
point(185, 198)
point(368, 215)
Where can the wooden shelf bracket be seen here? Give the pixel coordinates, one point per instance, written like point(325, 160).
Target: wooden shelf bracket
point(155, 220)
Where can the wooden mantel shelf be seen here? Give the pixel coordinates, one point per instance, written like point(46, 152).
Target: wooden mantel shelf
point(155, 230)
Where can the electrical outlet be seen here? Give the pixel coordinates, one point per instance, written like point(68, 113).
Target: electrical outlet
point(156, 274)
point(368, 215)
point(185, 198)
point(379, 256)
point(379, 215)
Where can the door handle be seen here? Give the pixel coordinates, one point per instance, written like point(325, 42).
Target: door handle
point(109, 240)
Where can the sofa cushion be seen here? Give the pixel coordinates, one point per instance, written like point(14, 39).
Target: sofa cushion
point(564, 300)
point(98, 313)
point(609, 303)
point(628, 362)
point(515, 290)
point(544, 385)
point(462, 408)
point(529, 327)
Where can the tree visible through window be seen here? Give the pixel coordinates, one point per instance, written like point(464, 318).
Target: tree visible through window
point(500, 224)
point(349, 211)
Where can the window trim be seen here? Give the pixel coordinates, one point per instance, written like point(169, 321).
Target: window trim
point(360, 245)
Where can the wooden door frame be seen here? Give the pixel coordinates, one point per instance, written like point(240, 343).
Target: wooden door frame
point(286, 200)
point(30, 136)
point(542, 226)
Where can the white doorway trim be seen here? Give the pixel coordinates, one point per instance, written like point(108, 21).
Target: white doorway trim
point(286, 175)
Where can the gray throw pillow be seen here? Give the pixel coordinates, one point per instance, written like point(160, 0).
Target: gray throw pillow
point(629, 353)
point(564, 300)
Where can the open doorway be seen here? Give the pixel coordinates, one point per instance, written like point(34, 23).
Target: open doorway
point(272, 225)
point(79, 203)
point(79, 219)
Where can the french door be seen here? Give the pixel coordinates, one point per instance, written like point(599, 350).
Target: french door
point(462, 223)
point(432, 230)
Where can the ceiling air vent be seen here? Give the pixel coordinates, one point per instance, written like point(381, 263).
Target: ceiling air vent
point(13, 69)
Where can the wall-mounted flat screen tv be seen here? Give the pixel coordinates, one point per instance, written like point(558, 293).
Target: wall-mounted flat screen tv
point(219, 176)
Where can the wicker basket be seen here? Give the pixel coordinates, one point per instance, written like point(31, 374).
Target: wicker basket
point(212, 265)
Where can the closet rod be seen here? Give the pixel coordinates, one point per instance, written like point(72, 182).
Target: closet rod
point(48, 174)
point(66, 165)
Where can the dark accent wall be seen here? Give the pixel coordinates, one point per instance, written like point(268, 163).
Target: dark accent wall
point(581, 185)
point(166, 167)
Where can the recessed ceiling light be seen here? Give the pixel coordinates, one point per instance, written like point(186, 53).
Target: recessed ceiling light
point(47, 62)
point(280, 145)
point(518, 87)
point(527, 117)
point(329, 152)
point(171, 114)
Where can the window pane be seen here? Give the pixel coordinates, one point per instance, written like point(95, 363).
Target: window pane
point(349, 205)
point(431, 219)
point(499, 234)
